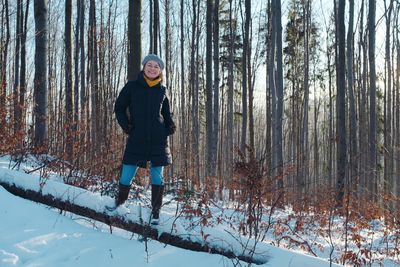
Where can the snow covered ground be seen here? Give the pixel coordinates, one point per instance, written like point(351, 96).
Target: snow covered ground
point(33, 234)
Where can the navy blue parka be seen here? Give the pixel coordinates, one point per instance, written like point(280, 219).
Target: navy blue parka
point(144, 113)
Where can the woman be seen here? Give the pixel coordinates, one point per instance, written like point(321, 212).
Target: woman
point(143, 112)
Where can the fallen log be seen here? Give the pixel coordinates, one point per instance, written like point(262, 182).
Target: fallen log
point(120, 222)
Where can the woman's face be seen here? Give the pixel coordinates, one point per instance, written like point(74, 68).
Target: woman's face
point(152, 70)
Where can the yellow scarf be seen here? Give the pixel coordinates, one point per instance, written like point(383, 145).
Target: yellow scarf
point(154, 82)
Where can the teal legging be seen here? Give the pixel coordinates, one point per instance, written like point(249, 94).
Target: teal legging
point(128, 174)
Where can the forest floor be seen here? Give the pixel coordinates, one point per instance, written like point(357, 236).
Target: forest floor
point(33, 235)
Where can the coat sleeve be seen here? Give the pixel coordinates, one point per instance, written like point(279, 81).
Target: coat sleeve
point(166, 113)
point(121, 109)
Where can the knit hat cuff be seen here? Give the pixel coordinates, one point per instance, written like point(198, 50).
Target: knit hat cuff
point(154, 58)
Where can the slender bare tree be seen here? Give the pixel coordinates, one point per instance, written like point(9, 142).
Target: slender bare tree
point(93, 76)
point(5, 40)
point(194, 70)
point(82, 63)
point(134, 38)
point(230, 110)
point(18, 34)
point(216, 61)
point(280, 97)
point(245, 58)
point(272, 83)
point(209, 88)
point(388, 157)
point(397, 100)
point(268, 108)
point(304, 141)
point(352, 101)
point(341, 104)
point(40, 79)
point(183, 124)
point(155, 32)
point(22, 77)
point(372, 186)
point(363, 124)
point(68, 79)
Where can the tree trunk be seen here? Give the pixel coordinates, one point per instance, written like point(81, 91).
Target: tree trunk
point(151, 21)
point(134, 39)
point(268, 108)
point(397, 109)
point(101, 47)
point(316, 182)
point(156, 26)
point(82, 60)
point(195, 96)
point(93, 76)
point(168, 45)
point(68, 80)
point(16, 92)
point(372, 93)
point(209, 88)
point(271, 85)
point(341, 105)
point(304, 132)
point(280, 98)
point(395, 93)
point(144, 230)
point(331, 142)
point(3, 59)
point(169, 74)
point(249, 79)
point(214, 145)
point(363, 129)
point(76, 74)
point(40, 79)
point(183, 108)
point(246, 36)
point(275, 85)
point(230, 110)
point(352, 102)
point(76, 71)
point(388, 156)
point(22, 77)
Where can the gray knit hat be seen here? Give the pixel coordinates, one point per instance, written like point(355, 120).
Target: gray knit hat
point(154, 58)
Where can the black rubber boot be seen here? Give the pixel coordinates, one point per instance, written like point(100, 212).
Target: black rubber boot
point(123, 192)
point(157, 192)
